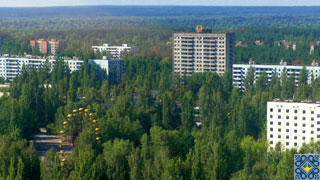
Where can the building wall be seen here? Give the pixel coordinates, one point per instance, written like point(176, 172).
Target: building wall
point(292, 124)
point(114, 68)
point(45, 47)
point(53, 46)
point(202, 52)
point(33, 44)
point(240, 70)
point(12, 67)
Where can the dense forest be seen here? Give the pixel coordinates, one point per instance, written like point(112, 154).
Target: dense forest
point(148, 121)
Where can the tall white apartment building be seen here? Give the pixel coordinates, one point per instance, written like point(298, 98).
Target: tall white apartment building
point(292, 124)
point(115, 51)
point(239, 72)
point(12, 67)
point(203, 52)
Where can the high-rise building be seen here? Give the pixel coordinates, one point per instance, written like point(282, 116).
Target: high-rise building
point(46, 47)
point(43, 46)
point(240, 71)
point(114, 51)
point(292, 124)
point(53, 46)
point(203, 52)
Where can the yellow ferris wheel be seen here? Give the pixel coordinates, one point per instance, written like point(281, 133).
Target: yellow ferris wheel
point(73, 126)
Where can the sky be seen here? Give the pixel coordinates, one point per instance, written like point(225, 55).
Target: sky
point(37, 3)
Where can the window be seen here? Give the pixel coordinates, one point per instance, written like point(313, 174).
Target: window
point(279, 110)
point(312, 125)
point(295, 111)
point(312, 112)
point(279, 130)
point(288, 124)
point(295, 124)
point(318, 129)
point(295, 118)
point(295, 131)
point(271, 142)
point(304, 111)
point(295, 137)
point(271, 129)
point(279, 117)
point(295, 144)
point(303, 125)
point(287, 130)
point(304, 131)
point(287, 137)
point(303, 138)
point(312, 138)
point(279, 136)
point(279, 123)
point(271, 122)
point(287, 143)
point(312, 132)
point(318, 115)
point(271, 116)
point(287, 117)
point(271, 109)
point(318, 122)
point(304, 118)
point(271, 135)
point(312, 119)
point(287, 110)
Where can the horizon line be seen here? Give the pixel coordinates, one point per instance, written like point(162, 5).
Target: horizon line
point(161, 6)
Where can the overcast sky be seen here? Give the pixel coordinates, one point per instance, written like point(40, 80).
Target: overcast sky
point(30, 3)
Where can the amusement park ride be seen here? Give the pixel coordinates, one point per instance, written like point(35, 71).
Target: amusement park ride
point(73, 126)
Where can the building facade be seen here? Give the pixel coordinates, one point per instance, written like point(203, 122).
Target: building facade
point(46, 47)
point(292, 124)
point(203, 52)
point(114, 51)
point(114, 68)
point(12, 67)
point(239, 72)
point(53, 46)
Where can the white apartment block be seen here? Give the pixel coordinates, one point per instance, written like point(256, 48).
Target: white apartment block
point(203, 52)
point(114, 68)
point(12, 67)
point(239, 72)
point(292, 124)
point(115, 51)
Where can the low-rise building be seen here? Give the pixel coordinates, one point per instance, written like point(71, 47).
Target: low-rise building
point(292, 124)
point(114, 51)
point(12, 67)
point(239, 71)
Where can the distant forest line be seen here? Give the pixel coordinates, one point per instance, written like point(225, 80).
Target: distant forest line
point(198, 11)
